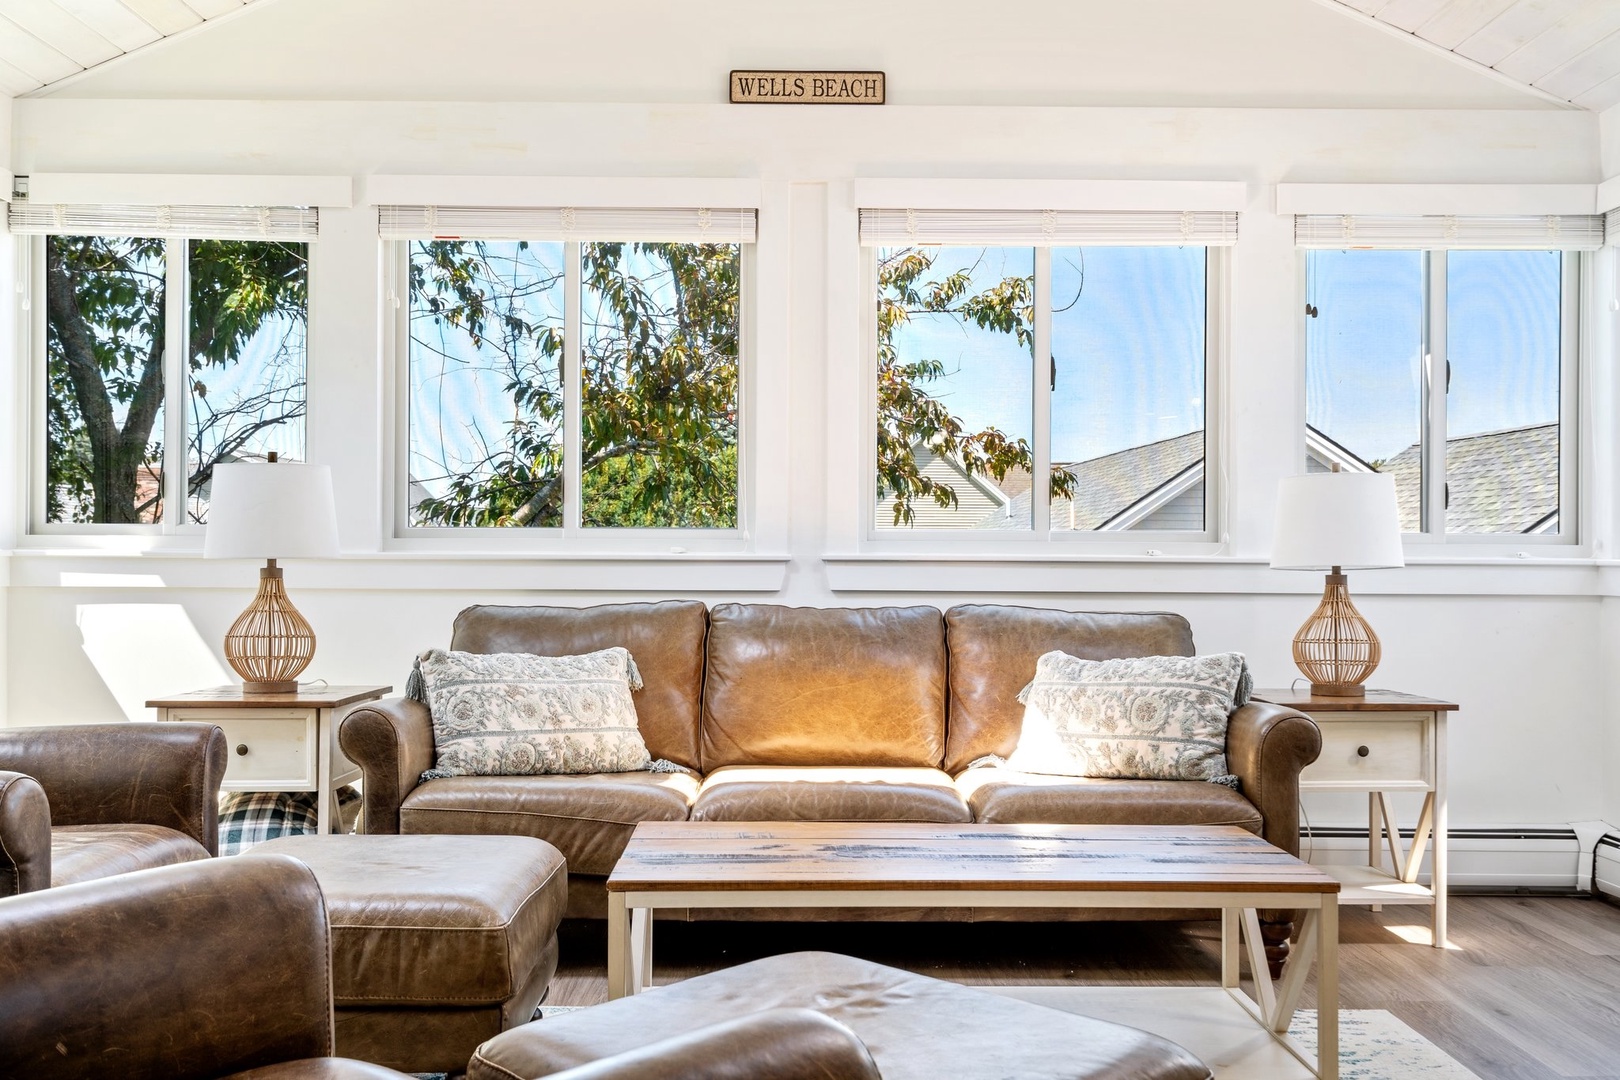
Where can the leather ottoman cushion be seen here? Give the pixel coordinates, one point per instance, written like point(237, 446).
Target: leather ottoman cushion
point(916, 1028)
point(433, 920)
point(1002, 796)
point(87, 852)
point(588, 818)
point(785, 793)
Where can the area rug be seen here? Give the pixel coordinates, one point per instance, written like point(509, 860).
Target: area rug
point(1373, 1045)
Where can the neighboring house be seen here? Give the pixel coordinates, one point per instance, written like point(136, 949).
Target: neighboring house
point(1156, 486)
point(977, 497)
point(1499, 481)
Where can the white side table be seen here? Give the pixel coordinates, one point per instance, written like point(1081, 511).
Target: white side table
point(279, 742)
point(1382, 743)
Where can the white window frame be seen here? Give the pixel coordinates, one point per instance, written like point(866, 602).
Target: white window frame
point(173, 530)
point(571, 537)
point(1040, 536)
point(1575, 275)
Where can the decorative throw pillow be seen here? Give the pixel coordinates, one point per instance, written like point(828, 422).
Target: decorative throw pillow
point(517, 714)
point(1147, 718)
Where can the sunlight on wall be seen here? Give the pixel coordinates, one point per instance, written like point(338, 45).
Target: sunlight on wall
point(143, 650)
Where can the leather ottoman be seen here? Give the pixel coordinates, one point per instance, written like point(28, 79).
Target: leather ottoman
point(915, 1027)
point(438, 942)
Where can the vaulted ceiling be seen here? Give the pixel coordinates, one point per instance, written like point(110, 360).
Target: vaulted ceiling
point(43, 41)
point(1568, 49)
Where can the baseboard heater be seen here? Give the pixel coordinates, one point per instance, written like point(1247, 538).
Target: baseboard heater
point(1483, 859)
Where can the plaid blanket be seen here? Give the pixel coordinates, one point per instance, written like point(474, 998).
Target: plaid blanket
point(252, 817)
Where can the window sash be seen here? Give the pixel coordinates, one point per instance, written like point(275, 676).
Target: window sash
point(694, 225)
point(1049, 228)
point(572, 534)
point(1535, 232)
point(1216, 268)
point(293, 223)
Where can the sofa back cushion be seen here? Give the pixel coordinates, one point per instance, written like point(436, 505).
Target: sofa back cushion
point(666, 640)
point(993, 649)
point(824, 686)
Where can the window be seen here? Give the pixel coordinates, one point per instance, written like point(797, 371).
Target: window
point(1053, 389)
point(1451, 370)
point(162, 358)
point(574, 384)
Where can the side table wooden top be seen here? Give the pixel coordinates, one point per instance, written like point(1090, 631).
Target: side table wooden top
point(1375, 701)
point(307, 697)
point(813, 855)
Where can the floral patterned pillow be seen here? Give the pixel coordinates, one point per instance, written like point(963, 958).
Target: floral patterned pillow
point(1147, 718)
point(517, 714)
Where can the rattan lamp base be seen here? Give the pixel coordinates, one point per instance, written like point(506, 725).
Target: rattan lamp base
point(270, 642)
point(1336, 649)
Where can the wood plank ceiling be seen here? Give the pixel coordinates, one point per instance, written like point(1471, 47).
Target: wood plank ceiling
point(1569, 49)
point(42, 41)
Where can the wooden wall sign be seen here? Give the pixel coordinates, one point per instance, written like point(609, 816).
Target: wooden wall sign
point(807, 88)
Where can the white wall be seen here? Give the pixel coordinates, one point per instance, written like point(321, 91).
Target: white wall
point(1522, 644)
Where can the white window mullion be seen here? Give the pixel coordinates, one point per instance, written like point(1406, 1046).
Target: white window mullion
point(34, 305)
point(1041, 452)
point(1570, 367)
point(1436, 388)
point(176, 343)
point(573, 383)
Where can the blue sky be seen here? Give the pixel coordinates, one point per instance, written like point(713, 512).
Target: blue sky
point(1128, 336)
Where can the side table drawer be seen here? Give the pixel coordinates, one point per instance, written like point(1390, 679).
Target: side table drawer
point(270, 750)
point(1388, 754)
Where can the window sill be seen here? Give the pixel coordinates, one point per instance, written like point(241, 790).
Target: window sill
point(615, 572)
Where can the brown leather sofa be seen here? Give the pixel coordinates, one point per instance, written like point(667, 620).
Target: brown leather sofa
point(819, 714)
point(205, 970)
point(92, 800)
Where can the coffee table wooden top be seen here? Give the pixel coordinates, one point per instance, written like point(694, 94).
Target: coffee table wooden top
point(728, 856)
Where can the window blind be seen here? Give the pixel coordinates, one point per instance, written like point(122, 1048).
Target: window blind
point(191, 222)
point(1050, 228)
point(1564, 232)
point(694, 225)
point(1611, 227)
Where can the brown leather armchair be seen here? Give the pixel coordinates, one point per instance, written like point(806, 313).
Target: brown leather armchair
point(92, 800)
point(212, 969)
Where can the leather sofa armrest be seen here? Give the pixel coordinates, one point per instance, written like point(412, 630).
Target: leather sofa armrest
point(25, 835)
point(1267, 746)
point(392, 742)
point(115, 774)
point(784, 1044)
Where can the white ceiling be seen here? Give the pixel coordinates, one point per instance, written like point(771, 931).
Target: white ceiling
point(1569, 49)
point(43, 41)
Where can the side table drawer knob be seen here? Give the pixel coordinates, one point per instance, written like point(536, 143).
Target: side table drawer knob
point(241, 749)
point(1361, 751)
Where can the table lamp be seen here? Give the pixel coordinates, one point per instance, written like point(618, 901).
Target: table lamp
point(1337, 521)
point(275, 510)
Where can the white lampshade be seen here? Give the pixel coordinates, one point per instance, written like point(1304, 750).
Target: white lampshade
point(1344, 519)
point(281, 510)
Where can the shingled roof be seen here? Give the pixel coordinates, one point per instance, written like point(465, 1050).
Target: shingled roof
point(1107, 488)
point(1500, 481)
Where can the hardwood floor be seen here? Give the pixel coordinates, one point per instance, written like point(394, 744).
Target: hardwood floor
point(1529, 990)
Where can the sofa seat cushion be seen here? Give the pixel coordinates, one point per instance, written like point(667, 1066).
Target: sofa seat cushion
point(915, 1027)
point(87, 852)
point(321, 1069)
point(1003, 796)
point(787, 793)
point(587, 818)
point(433, 920)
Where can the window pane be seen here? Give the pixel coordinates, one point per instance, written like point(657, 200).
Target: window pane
point(1502, 338)
point(955, 389)
point(658, 434)
point(104, 301)
point(1128, 404)
point(249, 317)
point(486, 383)
point(1364, 368)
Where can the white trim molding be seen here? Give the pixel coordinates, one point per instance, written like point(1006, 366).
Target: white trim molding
point(1459, 200)
point(922, 193)
point(1608, 195)
point(194, 189)
point(386, 189)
